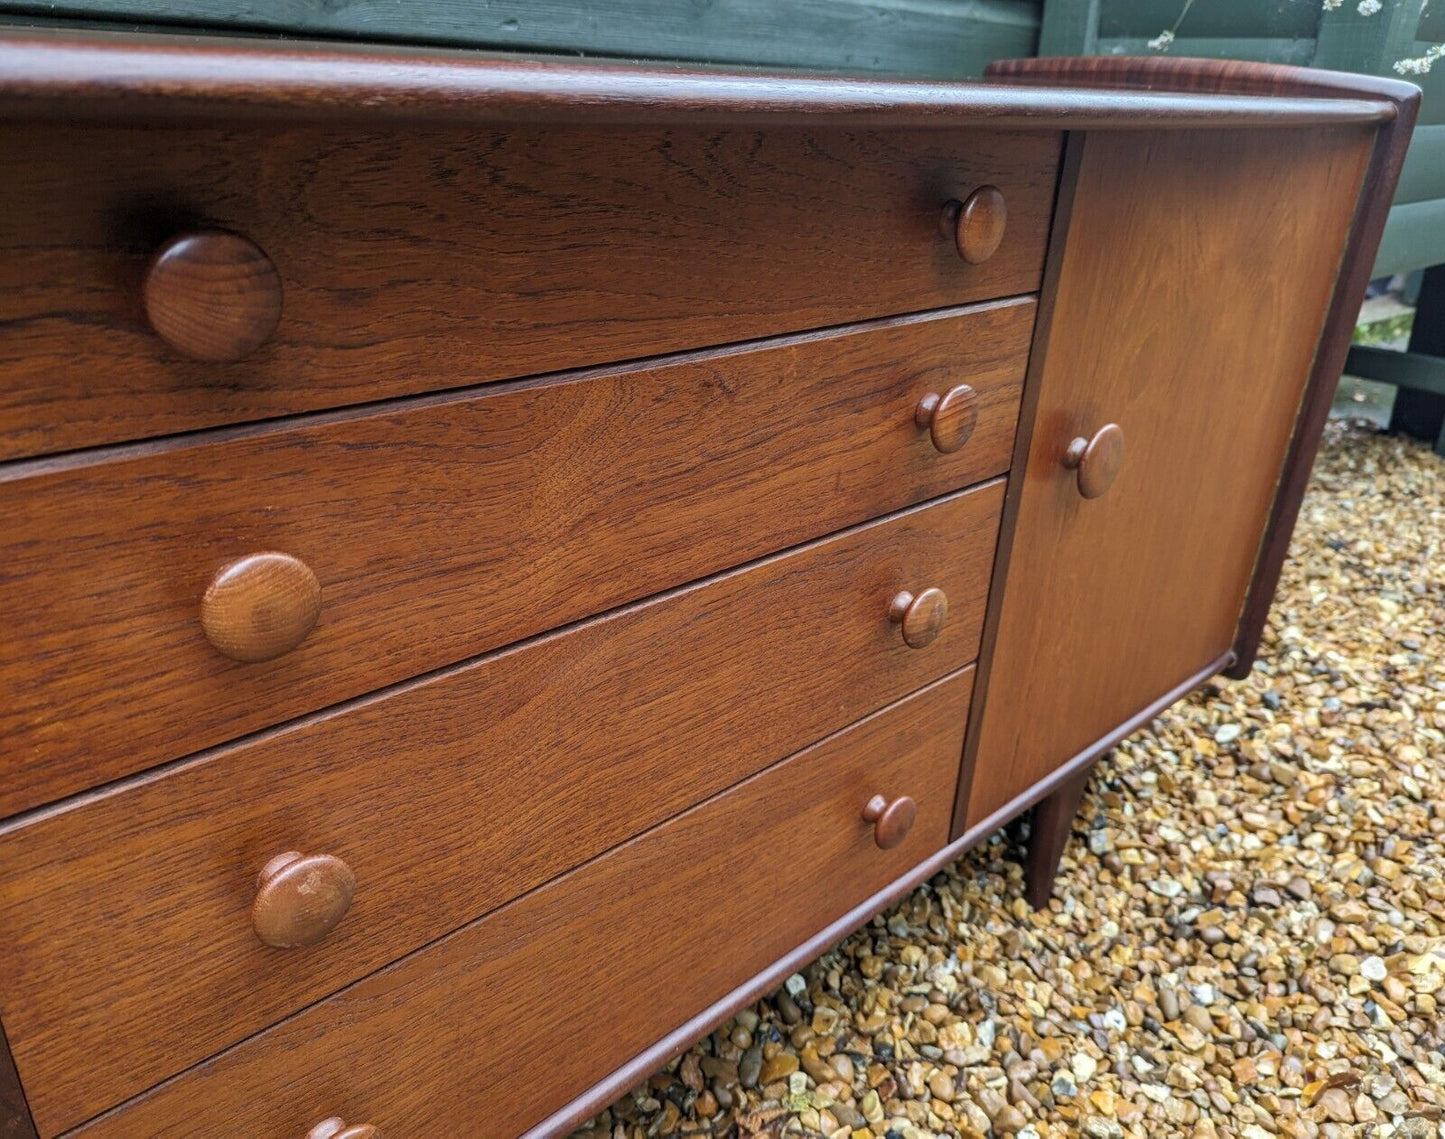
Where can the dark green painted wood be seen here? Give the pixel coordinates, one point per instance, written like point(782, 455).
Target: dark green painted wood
point(1348, 41)
point(1414, 238)
point(932, 38)
point(1404, 369)
point(1069, 27)
point(1208, 19)
point(1432, 105)
point(1424, 174)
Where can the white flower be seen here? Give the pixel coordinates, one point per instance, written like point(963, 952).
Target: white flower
point(1162, 41)
point(1331, 5)
point(1421, 65)
point(1368, 7)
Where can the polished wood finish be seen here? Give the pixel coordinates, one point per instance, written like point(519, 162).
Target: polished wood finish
point(1387, 157)
point(979, 223)
point(15, 1121)
point(766, 981)
point(950, 418)
point(1096, 461)
point(1182, 77)
point(1023, 441)
point(436, 526)
point(261, 606)
point(1381, 178)
point(891, 820)
point(337, 1128)
point(1050, 829)
point(212, 295)
point(920, 619)
point(466, 1030)
point(1108, 603)
point(92, 76)
point(131, 951)
point(499, 237)
point(445, 257)
point(300, 898)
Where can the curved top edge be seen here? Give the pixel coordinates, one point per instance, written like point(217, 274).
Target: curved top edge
point(117, 76)
point(1181, 74)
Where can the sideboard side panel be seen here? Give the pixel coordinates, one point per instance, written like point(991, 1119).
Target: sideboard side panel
point(1188, 307)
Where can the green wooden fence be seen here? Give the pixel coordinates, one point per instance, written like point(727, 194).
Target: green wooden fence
point(925, 38)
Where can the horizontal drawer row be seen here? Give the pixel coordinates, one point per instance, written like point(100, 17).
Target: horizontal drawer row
point(164, 598)
point(479, 1034)
point(152, 925)
point(181, 278)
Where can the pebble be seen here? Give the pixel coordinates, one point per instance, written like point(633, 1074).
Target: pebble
point(1250, 944)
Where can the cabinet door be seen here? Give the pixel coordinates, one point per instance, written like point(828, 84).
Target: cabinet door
point(1187, 303)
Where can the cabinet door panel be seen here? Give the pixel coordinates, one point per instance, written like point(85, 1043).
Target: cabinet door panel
point(1192, 289)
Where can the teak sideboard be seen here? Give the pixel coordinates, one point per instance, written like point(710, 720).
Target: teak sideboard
point(492, 545)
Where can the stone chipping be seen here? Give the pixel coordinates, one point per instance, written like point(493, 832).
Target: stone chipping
point(1247, 937)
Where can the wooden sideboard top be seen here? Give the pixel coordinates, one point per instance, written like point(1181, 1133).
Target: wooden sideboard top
point(78, 74)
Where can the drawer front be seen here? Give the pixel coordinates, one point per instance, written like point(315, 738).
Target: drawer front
point(131, 951)
point(509, 1019)
point(383, 264)
point(436, 531)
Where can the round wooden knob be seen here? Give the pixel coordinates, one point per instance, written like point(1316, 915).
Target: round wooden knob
point(260, 606)
point(921, 617)
point(950, 418)
point(1097, 460)
point(976, 224)
point(891, 821)
point(212, 295)
point(300, 898)
point(338, 1128)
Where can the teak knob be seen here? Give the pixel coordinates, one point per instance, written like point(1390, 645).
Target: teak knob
point(1097, 460)
point(976, 224)
point(300, 898)
point(212, 295)
point(921, 617)
point(950, 418)
point(891, 821)
point(338, 1128)
point(260, 606)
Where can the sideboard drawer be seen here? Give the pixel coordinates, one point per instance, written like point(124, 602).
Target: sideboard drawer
point(132, 947)
point(432, 532)
point(357, 266)
point(478, 1034)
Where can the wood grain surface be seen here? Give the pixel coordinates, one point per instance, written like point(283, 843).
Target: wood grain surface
point(444, 527)
point(75, 75)
point(131, 952)
point(1182, 76)
point(438, 258)
point(212, 295)
point(481, 1030)
point(1196, 274)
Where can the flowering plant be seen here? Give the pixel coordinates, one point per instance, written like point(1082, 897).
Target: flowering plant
point(1419, 65)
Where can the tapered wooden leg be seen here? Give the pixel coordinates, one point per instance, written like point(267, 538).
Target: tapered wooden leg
point(1053, 822)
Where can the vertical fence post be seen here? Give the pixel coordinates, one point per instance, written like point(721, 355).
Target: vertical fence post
point(1348, 41)
point(1069, 27)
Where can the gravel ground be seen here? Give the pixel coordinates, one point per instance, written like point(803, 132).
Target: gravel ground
point(1248, 934)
